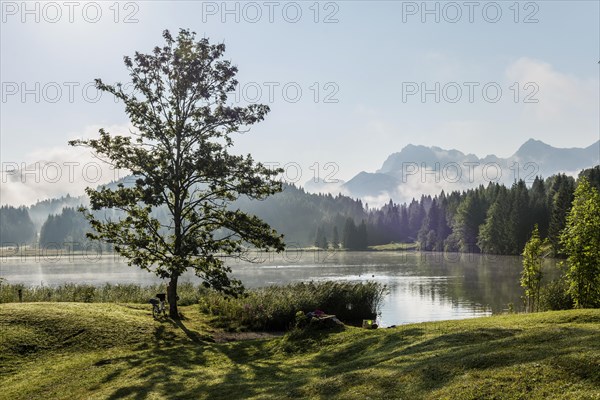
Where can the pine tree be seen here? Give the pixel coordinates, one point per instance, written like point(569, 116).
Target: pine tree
point(416, 215)
point(349, 239)
point(562, 197)
point(403, 231)
point(538, 205)
point(470, 214)
point(495, 235)
point(336, 238)
point(520, 216)
point(361, 236)
point(16, 227)
point(428, 235)
point(323, 244)
point(67, 229)
point(443, 229)
point(318, 236)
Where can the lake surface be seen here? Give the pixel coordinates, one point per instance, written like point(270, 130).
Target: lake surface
point(422, 286)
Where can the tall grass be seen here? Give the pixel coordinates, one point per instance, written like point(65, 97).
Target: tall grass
point(108, 293)
point(275, 307)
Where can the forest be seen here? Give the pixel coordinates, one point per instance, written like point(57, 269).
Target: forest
point(492, 219)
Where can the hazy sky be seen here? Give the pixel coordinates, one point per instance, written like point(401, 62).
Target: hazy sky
point(361, 68)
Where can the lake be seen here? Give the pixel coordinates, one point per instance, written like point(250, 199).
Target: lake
point(422, 286)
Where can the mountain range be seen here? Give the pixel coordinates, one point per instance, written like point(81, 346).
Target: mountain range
point(417, 170)
point(404, 175)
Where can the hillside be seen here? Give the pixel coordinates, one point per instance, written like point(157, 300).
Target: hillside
point(74, 350)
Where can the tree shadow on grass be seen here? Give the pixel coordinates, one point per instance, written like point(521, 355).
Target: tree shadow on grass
point(171, 365)
point(159, 369)
point(258, 368)
point(192, 335)
point(436, 362)
point(200, 370)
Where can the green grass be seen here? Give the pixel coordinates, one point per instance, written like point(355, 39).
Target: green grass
point(394, 247)
point(111, 351)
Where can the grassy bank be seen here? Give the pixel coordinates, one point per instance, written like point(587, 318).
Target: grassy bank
point(271, 308)
point(110, 351)
point(395, 247)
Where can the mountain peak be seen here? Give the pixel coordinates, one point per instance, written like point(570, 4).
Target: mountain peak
point(534, 143)
point(594, 146)
point(533, 148)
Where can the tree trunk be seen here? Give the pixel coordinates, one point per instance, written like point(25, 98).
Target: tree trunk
point(172, 297)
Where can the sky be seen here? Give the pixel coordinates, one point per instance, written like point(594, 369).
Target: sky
point(348, 82)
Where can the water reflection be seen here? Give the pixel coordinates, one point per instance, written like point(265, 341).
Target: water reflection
point(422, 286)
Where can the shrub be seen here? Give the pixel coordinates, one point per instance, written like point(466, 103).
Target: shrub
point(555, 296)
point(276, 307)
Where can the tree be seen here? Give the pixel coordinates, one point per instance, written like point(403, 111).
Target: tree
point(66, 229)
point(361, 236)
point(336, 238)
point(180, 161)
point(416, 215)
point(561, 197)
point(580, 241)
point(520, 216)
point(403, 224)
point(321, 239)
point(355, 238)
point(539, 206)
point(349, 239)
point(324, 244)
point(495, 235)
point(428, 235)
point(593, 176)
point(470, 214)
point(443, 229)
point(16, 227)
point(531, 276)
point(318, 235)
